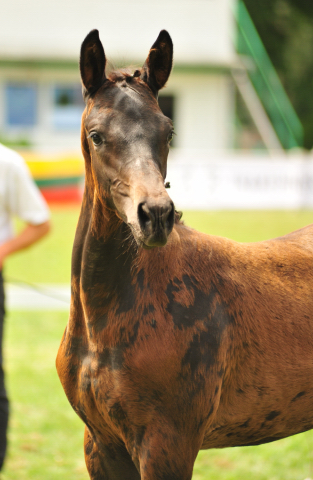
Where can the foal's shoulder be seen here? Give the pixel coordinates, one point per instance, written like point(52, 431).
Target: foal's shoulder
point(293, 245)
point(302, 235)
point(299, 240)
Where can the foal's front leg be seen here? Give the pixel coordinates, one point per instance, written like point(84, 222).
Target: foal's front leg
point(168, 454)
point(108, 461)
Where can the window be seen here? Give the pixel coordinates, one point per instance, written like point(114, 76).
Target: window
point(166, 103)
point(21, 104)
point(68, 106)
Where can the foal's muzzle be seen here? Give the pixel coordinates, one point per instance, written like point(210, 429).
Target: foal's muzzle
point(156, 222)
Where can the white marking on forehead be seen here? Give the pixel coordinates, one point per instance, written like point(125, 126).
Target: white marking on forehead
point(130, 91)
point(141, 150)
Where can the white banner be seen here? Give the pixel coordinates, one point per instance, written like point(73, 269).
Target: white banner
point(241, 182)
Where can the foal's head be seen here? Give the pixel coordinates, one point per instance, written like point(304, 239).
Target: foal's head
point(128, 138)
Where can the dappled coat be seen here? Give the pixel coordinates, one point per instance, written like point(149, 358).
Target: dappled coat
point(176, 340)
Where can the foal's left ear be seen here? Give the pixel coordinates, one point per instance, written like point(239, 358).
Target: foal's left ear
point(158, 66)
point(92, 63)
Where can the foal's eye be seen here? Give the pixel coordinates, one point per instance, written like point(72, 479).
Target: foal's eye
point(170, 136)
point(96, 139)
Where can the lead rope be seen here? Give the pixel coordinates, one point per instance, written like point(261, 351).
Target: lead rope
point(47, 292)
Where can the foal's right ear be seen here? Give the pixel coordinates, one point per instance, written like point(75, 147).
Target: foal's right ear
point(158, 65)
point(92, 63)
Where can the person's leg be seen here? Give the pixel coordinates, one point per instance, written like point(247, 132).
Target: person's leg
point(4, 403)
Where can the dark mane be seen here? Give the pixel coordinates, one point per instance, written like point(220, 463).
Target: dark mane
point(120, 74)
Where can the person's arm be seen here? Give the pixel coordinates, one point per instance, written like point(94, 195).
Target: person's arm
point(29, 235)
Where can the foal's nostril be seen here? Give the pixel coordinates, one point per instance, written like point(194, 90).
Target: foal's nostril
point(144, 216)
point(169, 217)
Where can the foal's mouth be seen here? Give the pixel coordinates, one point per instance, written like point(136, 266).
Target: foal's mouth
point(153, 224)
point(156, 222)
point(151, 241)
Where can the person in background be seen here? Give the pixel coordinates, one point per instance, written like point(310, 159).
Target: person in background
point(19, 196)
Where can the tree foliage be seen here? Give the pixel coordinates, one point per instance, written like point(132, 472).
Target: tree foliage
point(286, 29)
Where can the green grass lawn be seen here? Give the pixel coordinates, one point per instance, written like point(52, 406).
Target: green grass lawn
point(49, 261)
point(248, 226)
point(46, 437)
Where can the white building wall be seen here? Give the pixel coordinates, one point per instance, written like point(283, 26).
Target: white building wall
point(202, 30)
point(204, 110)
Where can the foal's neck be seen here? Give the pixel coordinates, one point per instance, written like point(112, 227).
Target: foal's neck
point(109, 247)
point(109, 256)
point(109, 229)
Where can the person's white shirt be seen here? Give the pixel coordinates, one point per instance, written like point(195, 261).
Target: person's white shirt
point(19, 195)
